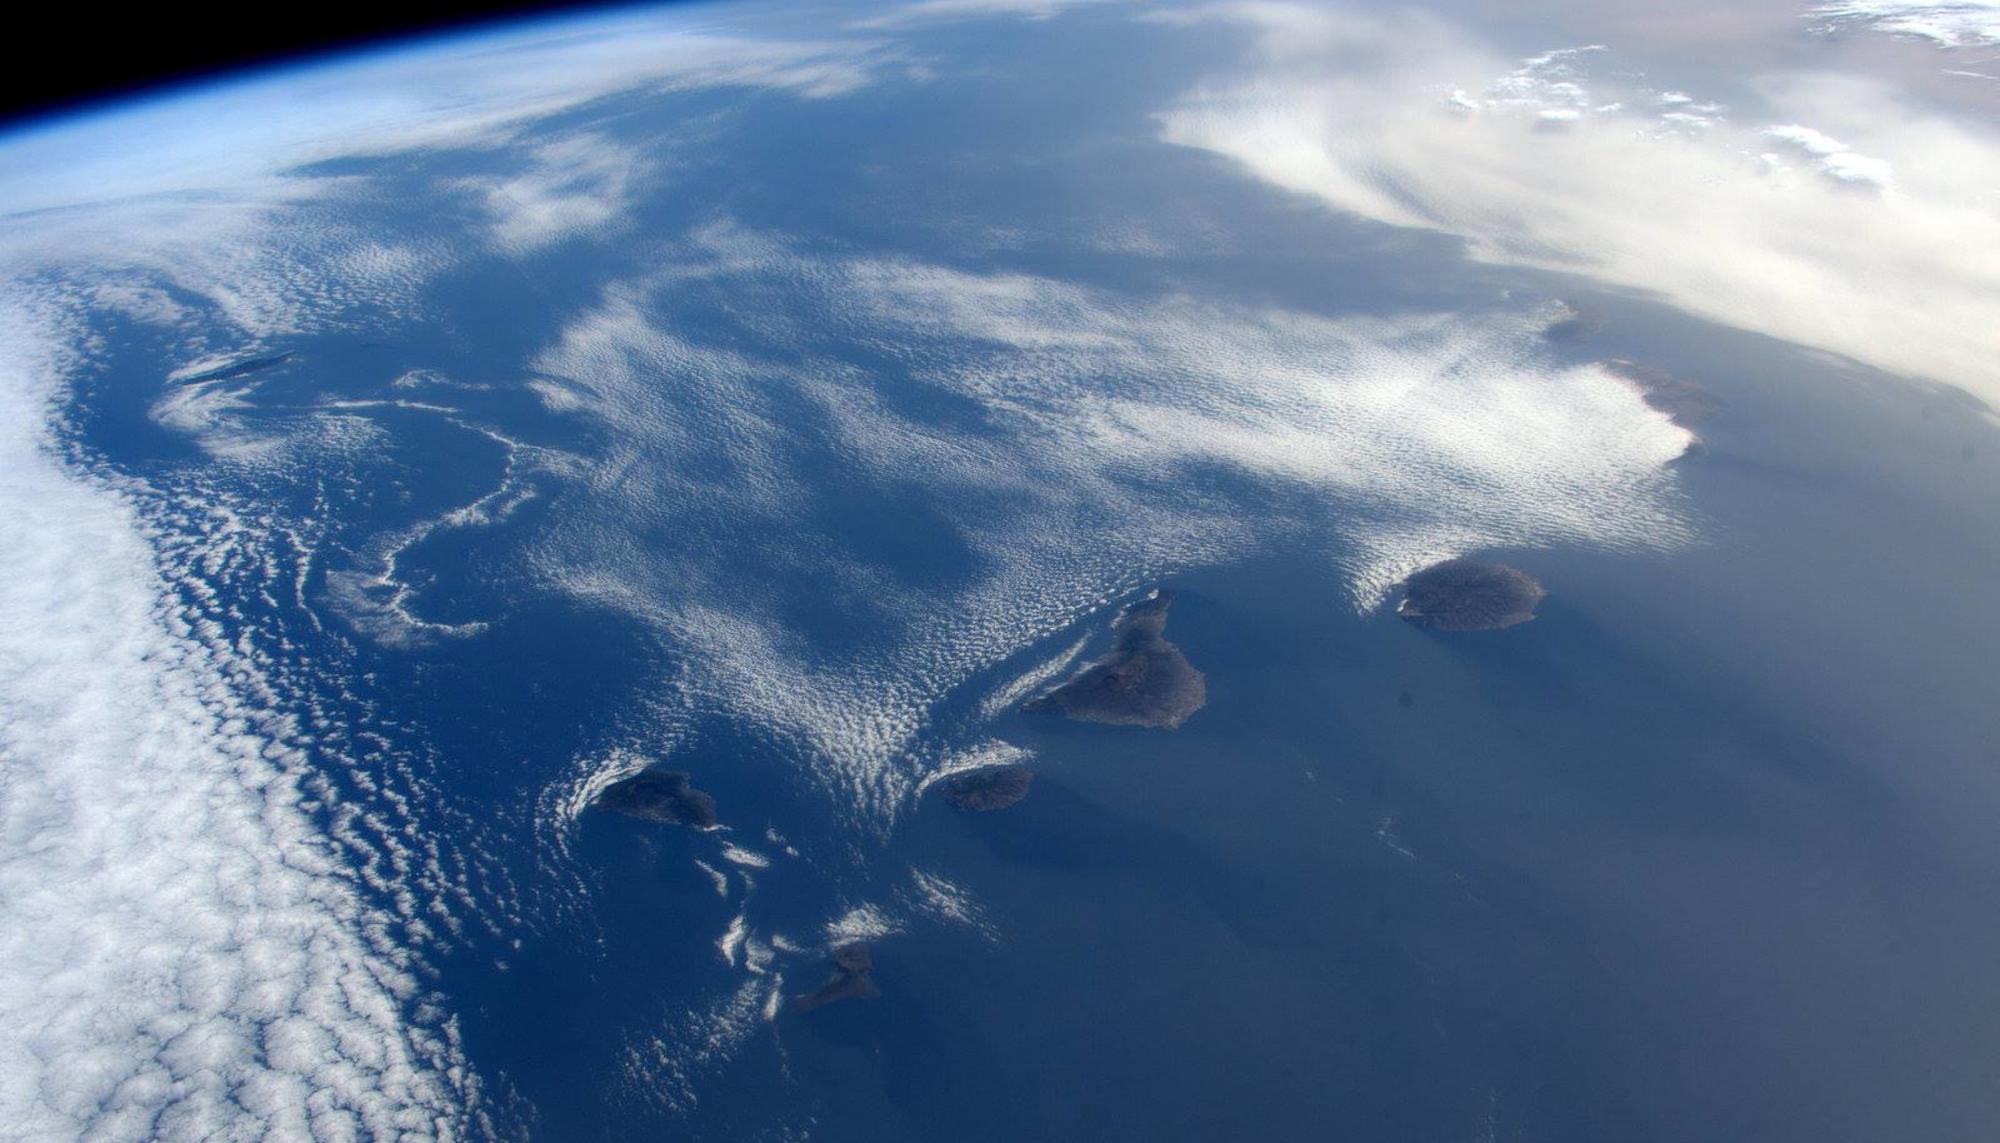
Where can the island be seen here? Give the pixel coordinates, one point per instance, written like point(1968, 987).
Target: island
point(1143, 681)
point(988, 788)
point(656, 794)
point(1468, 595)
point(241, 367)
point(851, 980)
point(1684, 402)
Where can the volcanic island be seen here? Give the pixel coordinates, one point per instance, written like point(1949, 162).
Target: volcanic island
point(1469, 595)
point(988, 788)
point(1143, 681)
point(852, 979)
point(656, 794)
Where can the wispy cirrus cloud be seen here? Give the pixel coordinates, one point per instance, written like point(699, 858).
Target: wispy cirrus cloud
point(944, 11)
point(578, 185)
point(462, 93)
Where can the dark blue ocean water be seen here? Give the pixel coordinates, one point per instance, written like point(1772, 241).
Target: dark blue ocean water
point(1702, 852)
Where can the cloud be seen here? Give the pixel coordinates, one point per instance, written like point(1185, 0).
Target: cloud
point(223, 193)
point(944, 900)
point(207, 934)
point(1954, 24)
point(1391, 441)
point(182, 949)
point(940, 11)
point(1903, 279)
point(578, 185)
point(468, 91)
point(1833, 158)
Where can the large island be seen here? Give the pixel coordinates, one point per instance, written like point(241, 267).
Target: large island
point(1469, 595)
point(1143, 681)
point(656, 794)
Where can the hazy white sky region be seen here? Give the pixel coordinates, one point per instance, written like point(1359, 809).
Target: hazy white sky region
point(1842, 216)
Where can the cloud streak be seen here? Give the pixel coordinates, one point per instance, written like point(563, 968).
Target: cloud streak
point(578, 185)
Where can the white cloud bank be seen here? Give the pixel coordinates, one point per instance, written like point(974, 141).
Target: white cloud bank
point(1833, 158)
point(181, 952)
point(185, 954)
point(1854, 223)
point(1952, 24)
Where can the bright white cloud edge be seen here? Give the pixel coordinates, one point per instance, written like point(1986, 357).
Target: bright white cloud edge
point(1952, 24)
point(1870, 230)
point(185, 955)
point(181, 951)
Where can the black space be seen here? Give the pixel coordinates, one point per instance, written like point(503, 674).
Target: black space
point(81, 55)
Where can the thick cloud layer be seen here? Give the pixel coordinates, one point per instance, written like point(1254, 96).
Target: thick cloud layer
point(1955, 23)
point(1847, 219)
point(182, 952)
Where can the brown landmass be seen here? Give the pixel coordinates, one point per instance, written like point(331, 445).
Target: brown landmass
point(990, 788)
point(1468, 595)
point(1143, 681)
point(658, 795)
point(1684, 402)
point(851, 979)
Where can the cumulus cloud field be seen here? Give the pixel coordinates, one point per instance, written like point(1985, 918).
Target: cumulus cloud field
point(190, 949)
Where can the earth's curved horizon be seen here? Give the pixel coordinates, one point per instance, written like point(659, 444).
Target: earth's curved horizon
point(535, 560)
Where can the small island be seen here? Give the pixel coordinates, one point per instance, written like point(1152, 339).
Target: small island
point(1685, 403)
point(1468, 595)
point(851, 980)
point(659, 795)
point(241, 367)
point(1144, 681)
point(988, 788)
